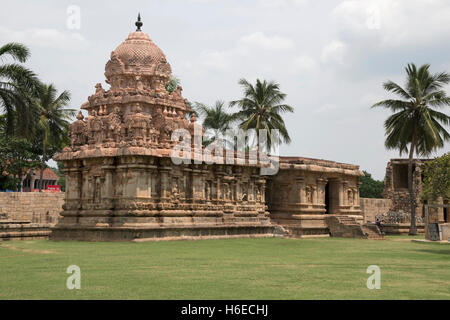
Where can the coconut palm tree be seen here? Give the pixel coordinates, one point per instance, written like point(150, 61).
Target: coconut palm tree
point(416, 125)
point(261, 108)
point(53, 122)
point(216, 120)
point(17, 87)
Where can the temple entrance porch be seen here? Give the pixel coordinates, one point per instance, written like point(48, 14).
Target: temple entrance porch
point(306, 191)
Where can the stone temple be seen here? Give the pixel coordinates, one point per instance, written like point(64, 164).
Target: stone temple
point(121, 183)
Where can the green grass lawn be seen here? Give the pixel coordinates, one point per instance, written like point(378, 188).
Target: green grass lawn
point(271, 268)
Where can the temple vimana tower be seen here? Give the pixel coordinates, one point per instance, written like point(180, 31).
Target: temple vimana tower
point(121, 183)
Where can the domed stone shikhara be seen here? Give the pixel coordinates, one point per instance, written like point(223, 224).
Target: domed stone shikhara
point(138, 56)
point(138, 74)
point(121, 183)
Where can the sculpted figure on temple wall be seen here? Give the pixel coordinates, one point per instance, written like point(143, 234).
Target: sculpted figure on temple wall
point(225, 191)
point(114, 121)
point(137, 126)
point(97, 189)
point(77, 131)
point(207, 191)
point(258, 193)
point(350, 197)
point(159, 123)
point(182, 122)
point(153, 136)
point(171, 124)
point(177, 93)
point(320, 195)
point(96, 129)
point(139, 84)
point(175, 189)
point(229, 193)
point(309, 194)
point(99, 89)
point(193, 127)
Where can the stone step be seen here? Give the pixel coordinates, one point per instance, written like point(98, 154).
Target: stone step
point(348, 227)
point(8, 221)
point(302, 232)
point(346, 219)
point(19, 230)
point(372, 232)
point(24, 235)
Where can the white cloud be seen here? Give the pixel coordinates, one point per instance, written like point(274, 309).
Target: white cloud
point(247, 46)
point(299, 2)
point(333, 52)
point(305, 63)
point(42, 37)
point(259, 39)
point(325, 108)
point(214, 60)
point(393, 23)
point(272, 4)
point(200, 1)
point(360, 16)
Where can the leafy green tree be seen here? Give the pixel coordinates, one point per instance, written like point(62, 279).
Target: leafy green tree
point(370, 188)
point(21, 157)
point(17, 156)
point(61, 175)
point(216, 120)
point(17, 87)
point(436, 182)
point(261, 108)
point(53, 123)
point(7, 182)
point(416, 124)
point(173, 84)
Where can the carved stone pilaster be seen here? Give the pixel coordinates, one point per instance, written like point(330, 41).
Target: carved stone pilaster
point(165, 184)
point(321, 183)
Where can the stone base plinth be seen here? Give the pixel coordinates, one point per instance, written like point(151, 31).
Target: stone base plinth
point(206, 222)
point(188, 232)
point(401, 228)
point(23, 230)
point(445, 231)
point(302, 225)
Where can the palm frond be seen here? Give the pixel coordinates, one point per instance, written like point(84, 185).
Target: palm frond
point(16, 50)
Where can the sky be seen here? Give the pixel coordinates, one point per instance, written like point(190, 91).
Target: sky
point(330, 57)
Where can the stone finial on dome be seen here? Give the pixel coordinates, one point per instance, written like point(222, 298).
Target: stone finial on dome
point(139, 22)
point(80, 116)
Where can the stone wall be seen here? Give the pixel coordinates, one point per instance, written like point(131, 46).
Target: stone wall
point(371, 207)
point(32, 206)
point(396, 184)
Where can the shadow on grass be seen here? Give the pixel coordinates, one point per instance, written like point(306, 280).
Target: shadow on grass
point(438, 251)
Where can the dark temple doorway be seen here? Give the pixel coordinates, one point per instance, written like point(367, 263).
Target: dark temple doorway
point(327, 198)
